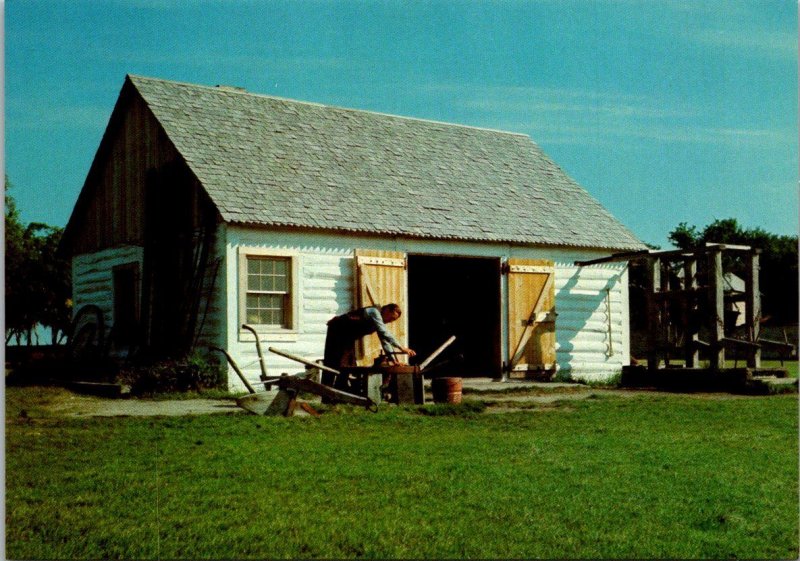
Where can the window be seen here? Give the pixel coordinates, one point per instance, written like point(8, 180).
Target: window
point(268, 300)
point(268, 292)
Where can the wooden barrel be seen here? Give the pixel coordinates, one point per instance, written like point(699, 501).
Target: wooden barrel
point(446, 390)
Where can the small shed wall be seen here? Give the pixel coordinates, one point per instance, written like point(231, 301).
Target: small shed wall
point(93, 283)
point(93, 279)
point(592, 328)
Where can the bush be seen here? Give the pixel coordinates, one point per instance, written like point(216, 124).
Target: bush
point(192, 373)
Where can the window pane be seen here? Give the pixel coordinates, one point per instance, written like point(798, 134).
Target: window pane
point(280, 267)
point(253, 280)
point(280, 283)
point(252, 266)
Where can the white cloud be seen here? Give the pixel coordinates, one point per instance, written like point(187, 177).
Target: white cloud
point(531, 99)
point(612, 134)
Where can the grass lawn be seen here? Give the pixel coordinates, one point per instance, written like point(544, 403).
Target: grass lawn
point(789, 365)
point(651, 476)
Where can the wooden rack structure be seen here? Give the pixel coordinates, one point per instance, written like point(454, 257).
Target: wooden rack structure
point(686, 300)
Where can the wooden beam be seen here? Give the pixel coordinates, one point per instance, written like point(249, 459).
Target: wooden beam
point(741, 342)
point(779, 344)
point(716, 308)
point(436, 353)
point(625, 256)
point(303, 360)
point(728, 247)
point(691, 325)
point(680, 294)
point(752, 309)
point(653, 315)
point(671, 254)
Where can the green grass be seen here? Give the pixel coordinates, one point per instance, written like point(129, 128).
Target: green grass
point(789, 365)
point(644, 477)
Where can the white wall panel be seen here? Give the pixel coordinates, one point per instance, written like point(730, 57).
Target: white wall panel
point(588, 346)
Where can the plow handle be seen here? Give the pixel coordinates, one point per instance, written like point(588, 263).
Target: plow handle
point(235, 368)
point(304, 361)
point(261, 362)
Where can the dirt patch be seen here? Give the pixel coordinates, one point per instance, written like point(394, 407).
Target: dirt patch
point(151, 408)
point(43, 402)
point(59, 402)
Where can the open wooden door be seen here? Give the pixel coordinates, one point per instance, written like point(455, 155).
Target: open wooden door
point(380, 278)
point(531, 318)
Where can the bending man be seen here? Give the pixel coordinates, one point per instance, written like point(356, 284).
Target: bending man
point(346, 329)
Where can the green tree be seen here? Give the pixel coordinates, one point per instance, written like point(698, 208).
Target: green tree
point(778, 262)
point(684, 236)
point(37, 279)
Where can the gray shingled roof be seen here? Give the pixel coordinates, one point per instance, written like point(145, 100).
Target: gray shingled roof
point(272, 161)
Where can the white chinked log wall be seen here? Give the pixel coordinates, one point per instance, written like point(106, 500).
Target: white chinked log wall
point(592, 326)
point(93, 278)
point(93, 283)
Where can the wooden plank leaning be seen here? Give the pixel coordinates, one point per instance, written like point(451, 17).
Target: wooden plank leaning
point(304, 360)
point(437, 352)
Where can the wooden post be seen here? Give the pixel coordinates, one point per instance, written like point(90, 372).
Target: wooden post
point(691, 326)
point(653, 315)
point(753, 308)
point(716, 305)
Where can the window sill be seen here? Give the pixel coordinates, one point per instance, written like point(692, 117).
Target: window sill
point(267, 334)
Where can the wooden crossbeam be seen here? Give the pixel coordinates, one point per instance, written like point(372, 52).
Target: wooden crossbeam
point(665, 253)
point(741, 342)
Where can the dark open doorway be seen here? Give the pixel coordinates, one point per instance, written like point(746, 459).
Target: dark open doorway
point(456, 296)
point(126, 304)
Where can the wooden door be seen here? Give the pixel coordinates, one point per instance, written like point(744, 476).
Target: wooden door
point(380, 278)
point(531, 318)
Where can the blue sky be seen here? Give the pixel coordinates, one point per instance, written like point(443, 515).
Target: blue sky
point(666, 111)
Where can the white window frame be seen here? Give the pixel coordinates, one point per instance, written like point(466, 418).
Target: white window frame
point(270, 332)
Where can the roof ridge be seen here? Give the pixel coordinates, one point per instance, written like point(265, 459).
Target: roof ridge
point(236, 90)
